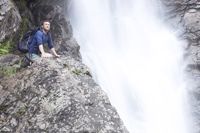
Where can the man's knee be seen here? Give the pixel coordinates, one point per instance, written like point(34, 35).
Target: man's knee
point(28, 59)
point(32, 57)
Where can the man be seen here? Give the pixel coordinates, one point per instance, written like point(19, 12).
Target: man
point(41, 38)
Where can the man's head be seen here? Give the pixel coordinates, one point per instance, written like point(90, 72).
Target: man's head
point(46, 25)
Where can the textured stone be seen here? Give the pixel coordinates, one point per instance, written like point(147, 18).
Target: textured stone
point(9, 19)
point(9, 60)
point(192, 20)
point(188, 14)
point(9, 64)
point(56, 95)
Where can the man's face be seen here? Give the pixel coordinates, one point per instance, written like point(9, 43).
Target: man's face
point(46, 26)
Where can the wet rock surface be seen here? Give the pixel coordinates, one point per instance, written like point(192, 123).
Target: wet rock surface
point(56, 95)
point(186, 13)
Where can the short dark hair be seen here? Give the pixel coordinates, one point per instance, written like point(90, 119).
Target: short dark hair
point(46, 20)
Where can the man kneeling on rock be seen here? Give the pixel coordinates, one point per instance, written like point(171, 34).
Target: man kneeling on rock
point(40, 39)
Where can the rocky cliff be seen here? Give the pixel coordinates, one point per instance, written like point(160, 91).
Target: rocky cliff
point(186, 14)
point(54, 95)
point(9, 19)
point(59, 95)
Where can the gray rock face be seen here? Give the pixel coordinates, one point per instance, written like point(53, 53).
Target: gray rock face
point(52, 95)
point(56, 96)
point(8, 64)
point(188, 15)
point(9, 60)
point(9, 19)
point(61, 28)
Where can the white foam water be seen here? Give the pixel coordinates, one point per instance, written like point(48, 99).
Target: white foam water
point(137, 60)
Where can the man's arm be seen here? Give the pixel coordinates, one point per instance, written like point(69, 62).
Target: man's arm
point(54, 52)
point(43, 53)
point(50, 45)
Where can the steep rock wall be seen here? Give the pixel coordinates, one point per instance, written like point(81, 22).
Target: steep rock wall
point(9, 19)
point(53, 95)
point(186, 14)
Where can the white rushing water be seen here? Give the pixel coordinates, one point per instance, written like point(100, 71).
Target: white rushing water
point(136, 60)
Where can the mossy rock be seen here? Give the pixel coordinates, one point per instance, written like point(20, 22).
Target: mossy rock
point(77, 71)
point(9, 45)
point(8, 71)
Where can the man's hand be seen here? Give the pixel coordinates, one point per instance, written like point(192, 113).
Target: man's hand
point(57, 55)
point(54, 53)
point(43, 53)
point(46, 55)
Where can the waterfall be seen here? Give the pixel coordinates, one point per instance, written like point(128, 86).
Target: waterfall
point(137, 60)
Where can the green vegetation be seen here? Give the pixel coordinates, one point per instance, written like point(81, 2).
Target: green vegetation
point(77, 71)
point(10, 43)
point(8, 71)
point(81, 71)
point(6, 47)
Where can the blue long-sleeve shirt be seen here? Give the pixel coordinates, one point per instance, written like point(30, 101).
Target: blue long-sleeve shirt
point(40, 38)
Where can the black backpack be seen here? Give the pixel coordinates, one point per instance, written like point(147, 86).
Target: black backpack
point(24, 43)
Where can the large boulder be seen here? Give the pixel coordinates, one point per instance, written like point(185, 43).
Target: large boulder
point(56, 96)
point(9, 64)
point(9, 19)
